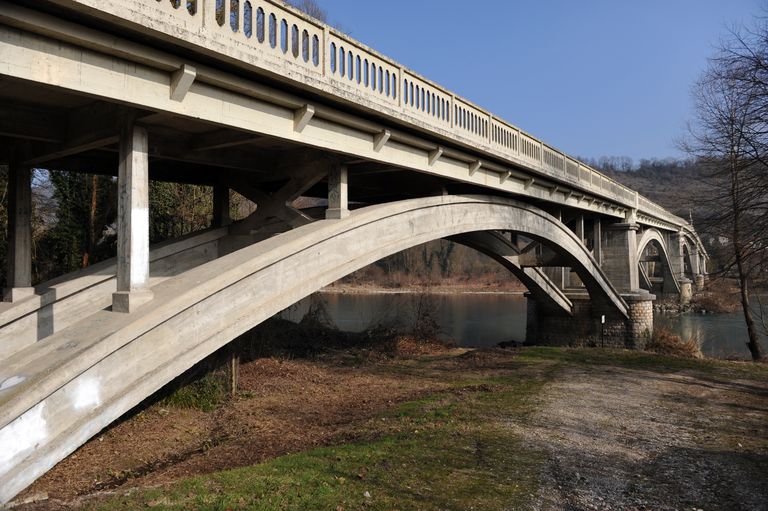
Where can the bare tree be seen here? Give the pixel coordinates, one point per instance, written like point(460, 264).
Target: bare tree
point(310, 7)
point(729, 139)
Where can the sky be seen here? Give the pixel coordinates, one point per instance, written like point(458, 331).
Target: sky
point(590, 77)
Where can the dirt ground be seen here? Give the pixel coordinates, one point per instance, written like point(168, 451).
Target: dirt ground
point(614, 437)
point(282, 406)
point(623, 439)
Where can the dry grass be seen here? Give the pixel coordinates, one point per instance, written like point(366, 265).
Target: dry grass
point(664, 342)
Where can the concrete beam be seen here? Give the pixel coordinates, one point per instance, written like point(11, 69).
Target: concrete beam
point(90, 127)
point(221, 139)
point(18, 121)
point(181, 81)
point(132, 221)
point(304, 172)
point(381, 139)
point(302, 116)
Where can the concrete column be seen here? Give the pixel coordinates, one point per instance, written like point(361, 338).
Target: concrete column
point(338, 203)
point(598, 237)
point(221, 216)
point(572, 278)
point(132, 221)
point(19, 276)
point(620, 259)
point(580, 227)
point(676, 255)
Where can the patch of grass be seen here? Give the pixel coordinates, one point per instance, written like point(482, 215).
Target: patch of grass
point(205, 394)
point(451, 450)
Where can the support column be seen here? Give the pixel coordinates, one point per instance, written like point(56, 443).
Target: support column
point(19, 276)
point(221, 215)
point(598, 237)
point(572, 278)
point(132, 221)
point(620, 255)
point(338, 204)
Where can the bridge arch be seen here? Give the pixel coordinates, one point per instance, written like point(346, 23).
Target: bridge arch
point(652, 237)
point(117, 360)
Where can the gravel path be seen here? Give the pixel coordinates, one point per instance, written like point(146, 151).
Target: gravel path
point(631, 440)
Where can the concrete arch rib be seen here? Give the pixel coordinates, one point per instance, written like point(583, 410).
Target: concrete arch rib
point(500, 249)
point(61, 391)
point(653, 235)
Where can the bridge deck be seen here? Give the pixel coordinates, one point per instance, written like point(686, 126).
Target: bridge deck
point(322, 76)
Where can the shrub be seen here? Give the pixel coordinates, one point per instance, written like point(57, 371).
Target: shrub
point(664, 342)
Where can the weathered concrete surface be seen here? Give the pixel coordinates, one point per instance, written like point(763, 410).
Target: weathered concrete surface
point(502, 250)
point(132, 220)
point(61, 302)
point(338, 196)
point(19, 273)
point(60, 392)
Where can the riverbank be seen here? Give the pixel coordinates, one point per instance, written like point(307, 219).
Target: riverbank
point(438, 289)
point(430, 427)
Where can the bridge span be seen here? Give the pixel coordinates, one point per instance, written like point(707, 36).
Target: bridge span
point(256, 97)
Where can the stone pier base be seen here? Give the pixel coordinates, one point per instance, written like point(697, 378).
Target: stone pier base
point(592, 324)
point(686, 291)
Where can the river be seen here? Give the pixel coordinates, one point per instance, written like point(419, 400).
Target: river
point(481, 320)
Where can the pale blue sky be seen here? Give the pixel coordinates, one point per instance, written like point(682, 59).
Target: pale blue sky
point(592, 77)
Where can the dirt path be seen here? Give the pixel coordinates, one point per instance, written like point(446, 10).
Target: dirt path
point(623, 439)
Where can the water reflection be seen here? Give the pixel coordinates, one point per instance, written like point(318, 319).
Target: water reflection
point(480, 320)
point(473, 320)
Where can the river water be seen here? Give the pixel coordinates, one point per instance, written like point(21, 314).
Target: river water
point(481, 320)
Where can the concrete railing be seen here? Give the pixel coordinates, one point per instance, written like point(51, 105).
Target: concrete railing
point(283, 41)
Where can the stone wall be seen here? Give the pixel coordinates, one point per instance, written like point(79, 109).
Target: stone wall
point(585, 327)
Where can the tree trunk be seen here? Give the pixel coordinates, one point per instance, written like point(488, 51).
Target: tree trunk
point(754, 341)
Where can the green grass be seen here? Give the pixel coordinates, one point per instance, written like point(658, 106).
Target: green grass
point(450, 450)
point(453, 450)
point(205, 394)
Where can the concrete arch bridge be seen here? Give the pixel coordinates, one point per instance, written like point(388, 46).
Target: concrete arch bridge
point(256, 97)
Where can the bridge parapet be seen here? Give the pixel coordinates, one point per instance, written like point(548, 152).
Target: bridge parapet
point(281, 42)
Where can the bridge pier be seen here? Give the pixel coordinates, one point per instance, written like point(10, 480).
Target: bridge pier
point(132, 221)
point(686, 291)
point(592, 323)
point(19, 270)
